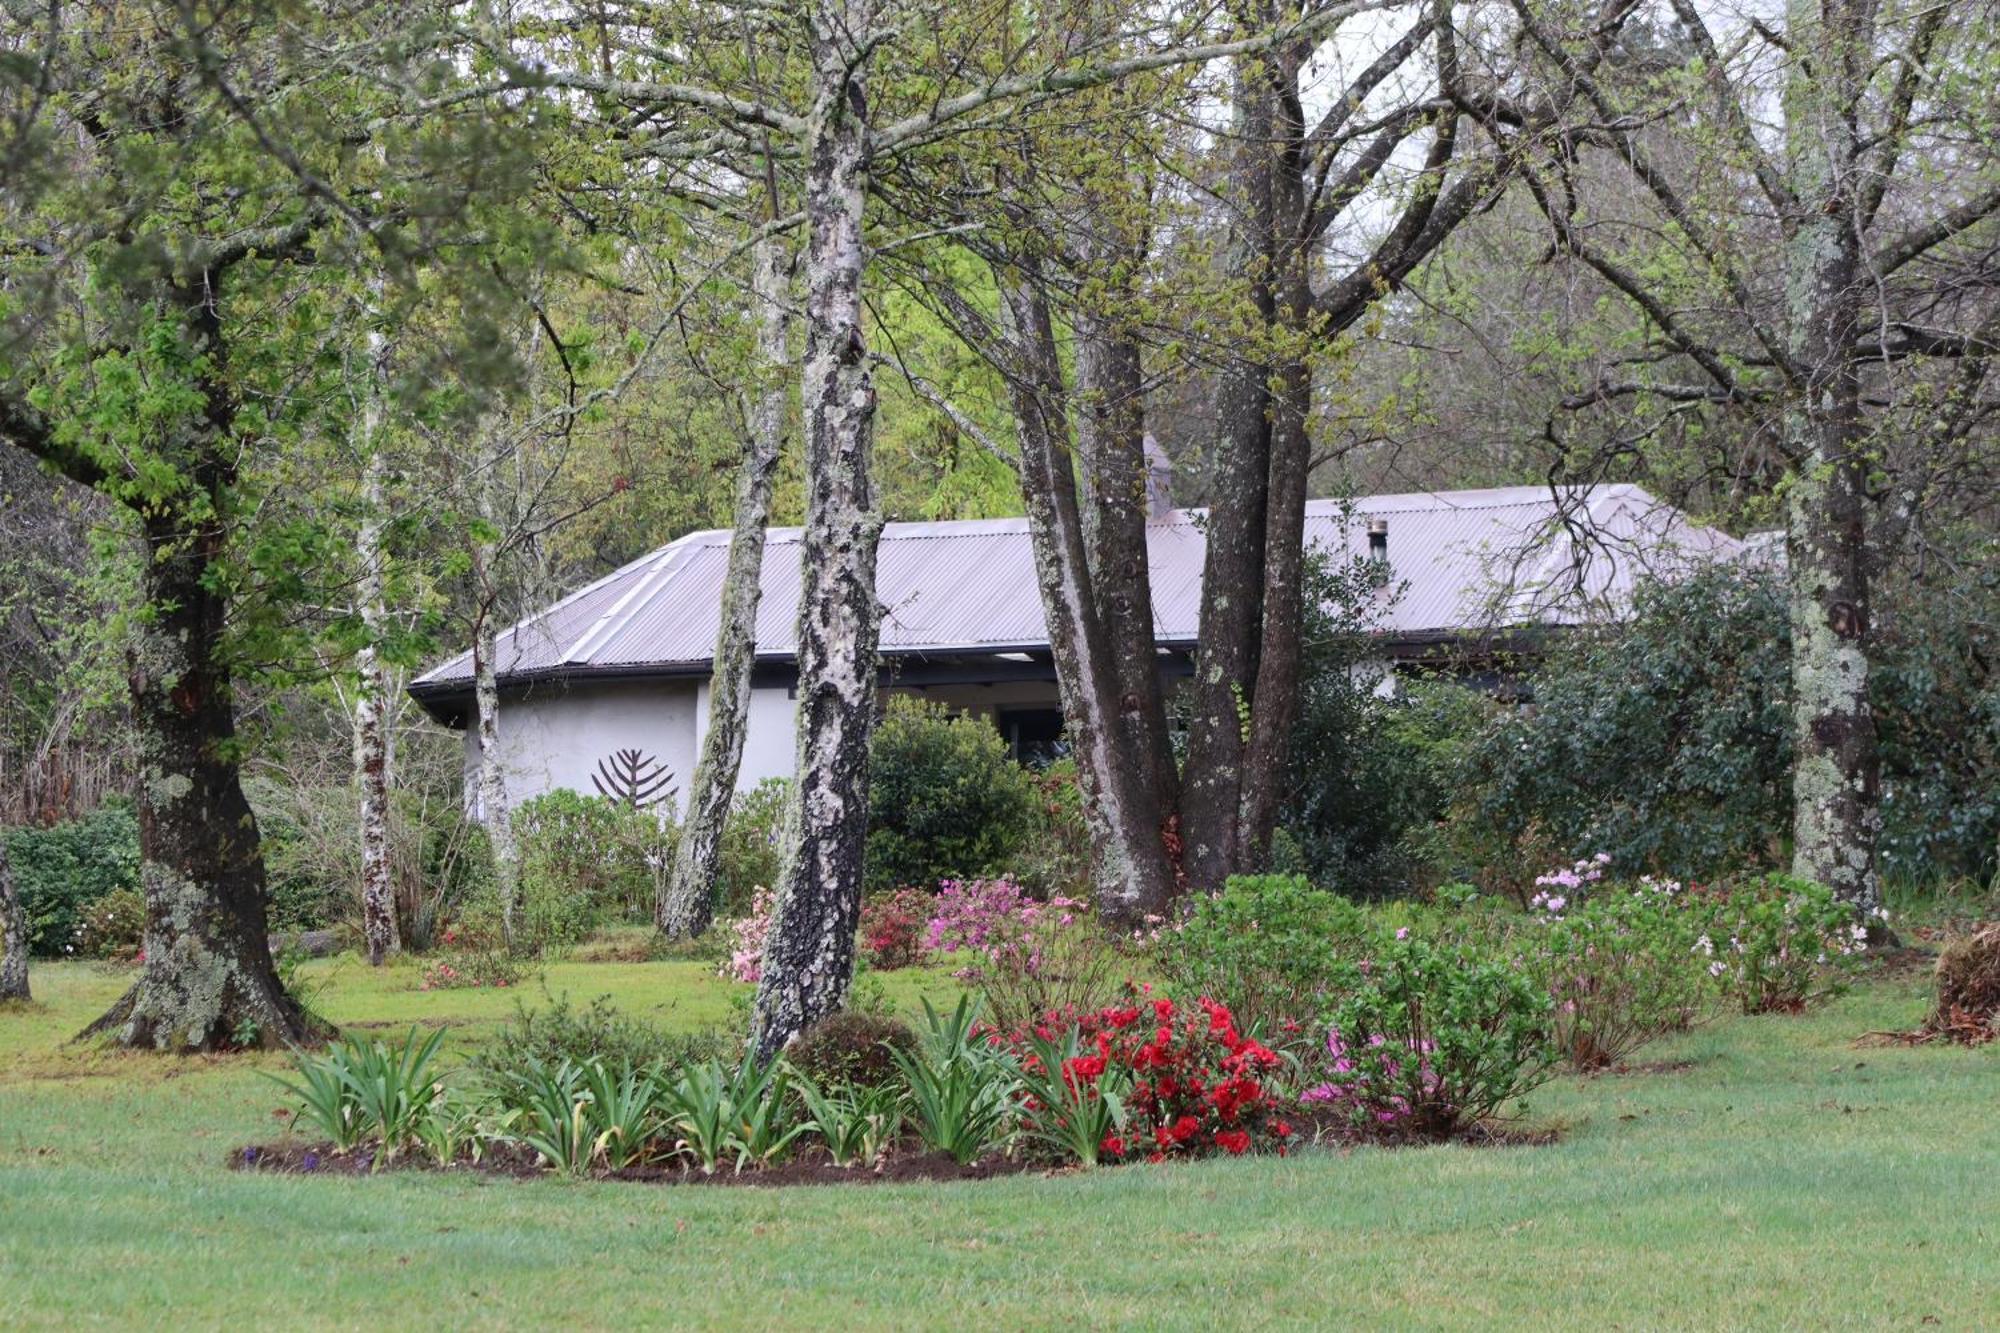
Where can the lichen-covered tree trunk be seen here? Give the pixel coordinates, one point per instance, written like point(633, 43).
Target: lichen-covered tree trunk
point(496, 812)
point(809, 953)
point(687, 903)
point(207, 982)
point(1134, 878)
point(13, 935)
point(1836, 786)
point(1223, 689)
point(373, 755)
point(1112, 440)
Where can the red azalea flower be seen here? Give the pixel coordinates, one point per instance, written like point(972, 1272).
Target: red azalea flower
point(1112, 1146)
point(1235, 1142)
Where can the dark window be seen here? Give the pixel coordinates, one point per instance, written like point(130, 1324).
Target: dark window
point(1035, 735)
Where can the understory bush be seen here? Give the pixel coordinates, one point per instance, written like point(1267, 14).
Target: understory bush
point(113, 927)
point(561, 1030)
point(851, 1047)
point(471, 970)
point(1621, 966)
point(59, 871)
point(751, 845)
point(1273, 945)
point(945, 798)
point(1778, 943)
point(892, 929)
point(1026, 959)
point(603, 854)
point(1433, 1037)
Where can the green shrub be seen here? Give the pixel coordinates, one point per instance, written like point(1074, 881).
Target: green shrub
point(60, 870)
point(946, 801)
point(1433, 1037)
point(851, 1048)
point(561, 1031)
point(1623, 966)
point(1054, 858)
point(1778, 943)
point(751, 845)
point(1271, 947)
point(603, 853)
point(114, 926)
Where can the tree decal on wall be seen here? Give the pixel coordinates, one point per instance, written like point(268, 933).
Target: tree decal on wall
point(634, 778)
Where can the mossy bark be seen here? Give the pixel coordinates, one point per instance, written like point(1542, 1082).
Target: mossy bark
point(13, 935)
point(207, 982)
point(1837, 780)
point(373, 752)
point(809, 954)
point(687, 901)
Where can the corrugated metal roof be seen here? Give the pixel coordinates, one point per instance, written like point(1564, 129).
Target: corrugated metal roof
point(1464, 560)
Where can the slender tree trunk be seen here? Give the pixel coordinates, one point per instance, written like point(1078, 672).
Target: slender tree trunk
point(372, 744)
point(495, 810)
point(687, 905)
point(1837, 780)
point(13, 935)
point(809, 955)
point(208, 982)
point(1134, 878)
point(1224, 685)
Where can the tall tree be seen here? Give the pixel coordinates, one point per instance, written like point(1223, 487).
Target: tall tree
point(13, 935)
point(1822, 284)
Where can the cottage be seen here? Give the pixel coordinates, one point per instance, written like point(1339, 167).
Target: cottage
point(624, 663)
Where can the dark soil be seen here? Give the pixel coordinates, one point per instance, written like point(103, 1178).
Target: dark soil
point(297, 1157)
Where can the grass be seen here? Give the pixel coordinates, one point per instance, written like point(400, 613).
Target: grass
point(1784, 1179)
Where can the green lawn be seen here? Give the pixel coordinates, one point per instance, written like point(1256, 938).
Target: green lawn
point(1785, 1179)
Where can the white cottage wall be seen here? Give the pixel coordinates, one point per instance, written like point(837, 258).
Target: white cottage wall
point(553, 737)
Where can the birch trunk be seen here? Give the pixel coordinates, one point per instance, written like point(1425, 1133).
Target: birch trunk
point(495, 811)
point(687, 904)
point(1837, 779)
point(809, 955)
point(372, 743)
point(13, 935)
point(1134, 877)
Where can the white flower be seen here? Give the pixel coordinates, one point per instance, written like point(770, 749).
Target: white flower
point(1705, 946)
point(1717, 968)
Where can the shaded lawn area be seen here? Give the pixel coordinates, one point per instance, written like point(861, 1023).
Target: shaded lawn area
point(1785, 1179)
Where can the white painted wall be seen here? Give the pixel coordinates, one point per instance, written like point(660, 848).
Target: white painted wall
point(553, 737)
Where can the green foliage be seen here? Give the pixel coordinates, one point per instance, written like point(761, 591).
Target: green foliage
point(560, 1031)
point(857, 1124)
point(1070, 1115)
point(946, 800)
point(1780, 943)
point(59, 871)
point(1435, 1036)
point(747, 1113)
point(751, 845)
point(1624, 968)
point(1369, 778)
point(1271, 947)
point(961, 1089)
point(113, 926)
point(553, 1112)
point(851, 1047)
point(362, 1090)
point(1054, 857)
point(1665, 741)
point(601, 854)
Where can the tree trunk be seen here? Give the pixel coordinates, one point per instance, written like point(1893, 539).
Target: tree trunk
point(372, 743)
point(1836, 785)
point(13, 935)
point(1134, 877)
point(1113, 443)
point(809, 955)
point(495, 811)
point(207, 982)
point(687, 905)
point(1224, 685)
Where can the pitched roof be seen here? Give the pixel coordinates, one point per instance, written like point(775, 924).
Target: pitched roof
point(1465, 560)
